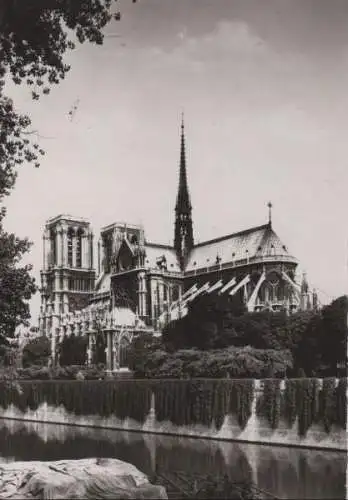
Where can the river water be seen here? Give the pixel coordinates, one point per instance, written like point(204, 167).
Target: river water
point(291, 473)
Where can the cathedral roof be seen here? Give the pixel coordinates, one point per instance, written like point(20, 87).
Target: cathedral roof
point(154, 252)
point(256, 242)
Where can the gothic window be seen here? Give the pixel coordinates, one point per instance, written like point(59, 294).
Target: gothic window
point(124, 353)
point(175, 293)
point(273, 287)
point(79, 248)
point(165, 293)
point(53, 248)
point(125, 261)
point(108, 253)
point(70, 247)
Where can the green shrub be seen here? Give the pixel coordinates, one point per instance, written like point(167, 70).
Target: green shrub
point(235, 362)
point(35, 373)
point(328, 403)
point(341, 403)
point(307, 403)
point(289, 409)
point(73, 350)
point(36, 352)
point(183, 402)
point(269, 403)
point(241, 398)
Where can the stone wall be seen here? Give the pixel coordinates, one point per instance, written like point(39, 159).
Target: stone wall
point(257, 429)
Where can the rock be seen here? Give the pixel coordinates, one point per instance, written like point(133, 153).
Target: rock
point(94, 478)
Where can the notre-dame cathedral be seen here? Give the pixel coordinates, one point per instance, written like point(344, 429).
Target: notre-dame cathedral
point(140, 286)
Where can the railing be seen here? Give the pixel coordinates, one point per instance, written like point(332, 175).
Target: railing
point(240, 263)
point(163, 272)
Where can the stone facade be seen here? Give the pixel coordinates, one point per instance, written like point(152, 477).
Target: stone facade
point(140, 286)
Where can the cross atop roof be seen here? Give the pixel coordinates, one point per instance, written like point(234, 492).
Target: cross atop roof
point(270, 206)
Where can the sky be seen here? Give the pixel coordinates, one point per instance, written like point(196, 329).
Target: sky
point(262, 84)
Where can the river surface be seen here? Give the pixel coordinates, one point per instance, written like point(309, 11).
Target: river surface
point(291, 473)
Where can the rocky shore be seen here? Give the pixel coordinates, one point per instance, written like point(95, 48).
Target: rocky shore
point(94, 478)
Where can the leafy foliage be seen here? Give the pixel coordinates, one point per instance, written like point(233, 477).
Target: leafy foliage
point(99, 355)
point(16, 284)
point(234, 362)
point(141, 347)
point(186, 402)
point(289, 402)
point(208, 316)
point(204, 402)
point(307, 394)
point(34, 37)
point(333, 345)
point(303, 400)
point(268, 405)
point(241, 399)
point(316, 340)
point(36, 352)
point(106, 398)
point(73, 350)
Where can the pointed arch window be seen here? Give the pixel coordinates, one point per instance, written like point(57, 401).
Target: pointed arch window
point(124, 353)
point(70, 246)
point(53, 248)
point(79, 248)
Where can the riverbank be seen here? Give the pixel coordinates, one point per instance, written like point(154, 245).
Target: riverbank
point(291, 413)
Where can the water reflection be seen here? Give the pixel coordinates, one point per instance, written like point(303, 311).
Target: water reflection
point(285, 472)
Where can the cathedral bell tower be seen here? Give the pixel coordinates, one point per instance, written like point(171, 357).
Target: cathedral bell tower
point(67, 274)
point(183, 237)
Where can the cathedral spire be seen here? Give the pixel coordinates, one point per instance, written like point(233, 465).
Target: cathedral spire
point(183, 203)
point(183, 237)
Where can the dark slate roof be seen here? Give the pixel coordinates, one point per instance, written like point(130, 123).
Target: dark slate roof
point(155, 251)
point(258, 241)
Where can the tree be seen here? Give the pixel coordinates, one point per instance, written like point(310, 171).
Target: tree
point(34, 37)
point(317, 340)
point(333, 343)
point(73, 350)
point(99, 354)
point(208, 318)
point(33, 41)
point(140, 348)
point(16, 284)
point(36, 352)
